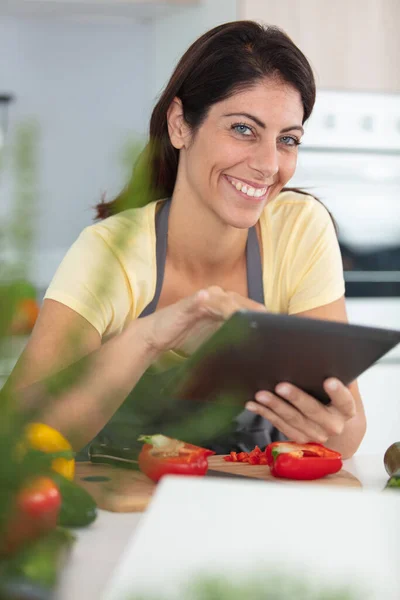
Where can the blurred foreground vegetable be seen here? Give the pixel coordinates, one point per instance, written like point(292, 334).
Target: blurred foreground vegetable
point(33, 572)
point(45, 438)
point(257, 585)
point(34, 512)
point(78, 508)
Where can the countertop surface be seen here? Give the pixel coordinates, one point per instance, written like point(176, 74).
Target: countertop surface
point(100, 547)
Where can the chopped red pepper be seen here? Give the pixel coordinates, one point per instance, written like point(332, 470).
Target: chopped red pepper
point(302, 461)
point(255, 457)
point(243, 457)
point(165, 456)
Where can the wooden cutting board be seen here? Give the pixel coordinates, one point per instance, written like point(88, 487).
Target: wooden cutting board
point(125, 490)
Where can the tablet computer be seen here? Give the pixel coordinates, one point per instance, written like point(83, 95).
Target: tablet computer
point(255, 351)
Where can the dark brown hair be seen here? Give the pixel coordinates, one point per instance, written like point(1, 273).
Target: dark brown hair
point(225, 60)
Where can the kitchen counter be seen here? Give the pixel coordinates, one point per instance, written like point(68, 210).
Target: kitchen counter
point(99, 547)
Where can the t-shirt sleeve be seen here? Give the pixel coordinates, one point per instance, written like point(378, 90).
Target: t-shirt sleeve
point(316, 266)
point(91, 281)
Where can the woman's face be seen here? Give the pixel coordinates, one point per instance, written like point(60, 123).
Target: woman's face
point(244, 153)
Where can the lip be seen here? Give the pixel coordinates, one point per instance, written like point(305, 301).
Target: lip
point(256, 186)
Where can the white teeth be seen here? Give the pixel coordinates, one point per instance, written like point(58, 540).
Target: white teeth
point(248, 189)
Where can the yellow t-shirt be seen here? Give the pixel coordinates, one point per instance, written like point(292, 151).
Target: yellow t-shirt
point(109, 274)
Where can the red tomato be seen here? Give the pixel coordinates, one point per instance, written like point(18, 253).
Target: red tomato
point(35, 512)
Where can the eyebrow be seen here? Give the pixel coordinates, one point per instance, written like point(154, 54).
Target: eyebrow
point(261, 124)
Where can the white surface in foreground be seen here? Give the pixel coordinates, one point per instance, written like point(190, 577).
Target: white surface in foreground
point(336, 536)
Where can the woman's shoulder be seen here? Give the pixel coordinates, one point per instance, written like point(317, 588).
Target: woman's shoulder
point(127, 219)
point(291, 207)
point(126, 228)
point(297, 200)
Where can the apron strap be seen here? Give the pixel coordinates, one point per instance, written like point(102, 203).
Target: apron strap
point(255, 286)
point(161, 254)
point(253, 261)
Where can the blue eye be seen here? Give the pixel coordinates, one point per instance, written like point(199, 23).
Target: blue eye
point(288, 140)
point(242, 129)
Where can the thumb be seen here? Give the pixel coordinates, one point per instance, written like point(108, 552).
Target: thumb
point(193, 306)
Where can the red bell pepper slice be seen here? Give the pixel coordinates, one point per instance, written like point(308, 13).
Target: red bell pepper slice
point(302, 461)
point(161, 456)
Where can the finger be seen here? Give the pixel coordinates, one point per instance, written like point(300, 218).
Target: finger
point(247, 303)
point(215, 302)
point(290, 432)
point(341, 398)
point(330, 421)
point(221, 304)
point(293, 417)
point(193, 308)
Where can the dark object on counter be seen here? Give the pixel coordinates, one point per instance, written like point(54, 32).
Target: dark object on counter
point(230, 475)
point(106, 453)
point(391, 460)
point(127, 458)
point(32, 574)
point(78, 509)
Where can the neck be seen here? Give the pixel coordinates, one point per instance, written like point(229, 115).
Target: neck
point(200, 244)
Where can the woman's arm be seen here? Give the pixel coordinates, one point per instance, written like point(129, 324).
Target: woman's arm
point(62, 339)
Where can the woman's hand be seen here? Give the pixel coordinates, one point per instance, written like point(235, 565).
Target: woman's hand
point(186, 324)
point(302, 418)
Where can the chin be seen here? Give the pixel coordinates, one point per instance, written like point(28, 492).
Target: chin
point(243, 219)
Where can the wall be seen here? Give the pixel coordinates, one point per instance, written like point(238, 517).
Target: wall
point(86, 84)
point(89, 85)
point(172, 35)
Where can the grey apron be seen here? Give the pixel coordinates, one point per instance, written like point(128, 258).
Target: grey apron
point(147, 410)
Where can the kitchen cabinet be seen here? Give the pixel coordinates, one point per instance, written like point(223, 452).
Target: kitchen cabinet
point(95, 9)
point(351, 44)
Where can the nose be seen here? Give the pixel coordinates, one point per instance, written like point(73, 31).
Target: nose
point(264, 159)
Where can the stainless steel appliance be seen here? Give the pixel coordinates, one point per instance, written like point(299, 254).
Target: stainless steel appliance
point(350, 159)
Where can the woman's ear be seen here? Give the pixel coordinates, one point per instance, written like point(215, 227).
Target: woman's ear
point(178, 129)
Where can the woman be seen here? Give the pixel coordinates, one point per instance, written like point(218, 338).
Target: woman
point(216, 232)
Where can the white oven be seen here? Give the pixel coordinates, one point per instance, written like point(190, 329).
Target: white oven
point(350, 159)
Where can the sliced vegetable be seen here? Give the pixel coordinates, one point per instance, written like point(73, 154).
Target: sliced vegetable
point(78, 508)
point(302, 461)
point(255, 457)
point(161, 456)
point(34, 512)
point(45, 438)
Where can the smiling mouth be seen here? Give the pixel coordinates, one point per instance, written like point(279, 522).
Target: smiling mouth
point(246, 189)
